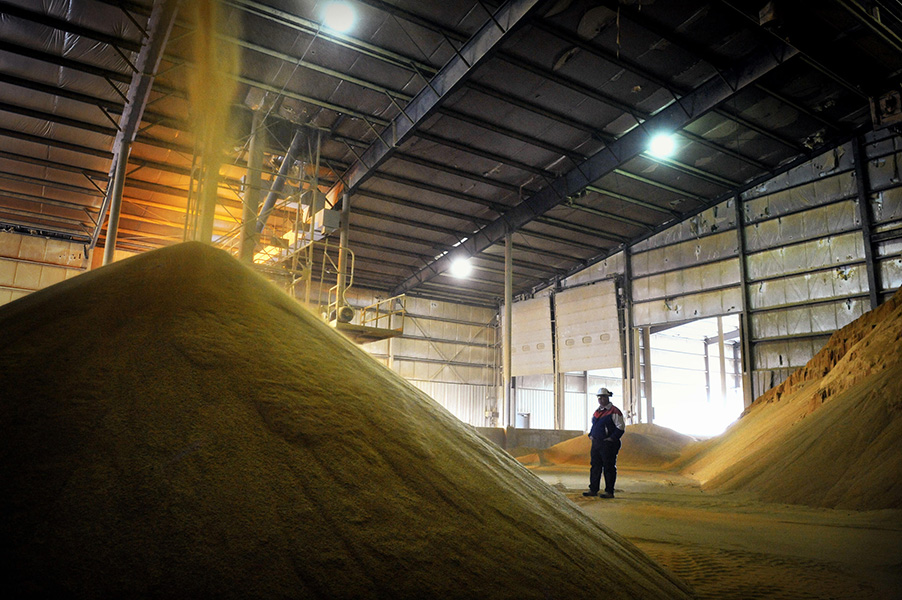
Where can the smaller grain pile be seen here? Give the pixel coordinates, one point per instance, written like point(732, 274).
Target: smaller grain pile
point(176, 427)
point(828, 436)
point(645, 446)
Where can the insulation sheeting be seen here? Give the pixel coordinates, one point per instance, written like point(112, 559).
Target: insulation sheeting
point(817, 222)
point(609, 267)
point(806, 320)
point(823, 285)
point(685, 254)
point(717, 218)
point(800, 258)
point(830, 162)
point(587, 328)
point(886, 171)
point(687, 281)
point(531, 338)
point(810, 195)
point(890, 273)
point(786, 354)
point(29, 264)
point(886, 205)
point(691, 306)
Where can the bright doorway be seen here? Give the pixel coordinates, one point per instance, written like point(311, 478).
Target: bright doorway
point(696, 375)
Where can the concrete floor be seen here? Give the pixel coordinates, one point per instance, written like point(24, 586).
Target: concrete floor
point(733, 547)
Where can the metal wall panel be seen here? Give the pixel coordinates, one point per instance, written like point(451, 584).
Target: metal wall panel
point(587, 328)
point(540, 406)
point(466, 402)
point(531, 337)
point(577, 410)
point(441, 373)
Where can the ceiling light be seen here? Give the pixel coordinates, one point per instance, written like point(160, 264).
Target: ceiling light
point(338, 16)
point(662, 145)
point(461, 268)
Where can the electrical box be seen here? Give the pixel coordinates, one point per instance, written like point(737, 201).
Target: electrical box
point(886, 109)
point(326, 221)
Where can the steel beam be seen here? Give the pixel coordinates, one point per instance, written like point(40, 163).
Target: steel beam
point(151, 53)
point(443, 84)
point(676, 116)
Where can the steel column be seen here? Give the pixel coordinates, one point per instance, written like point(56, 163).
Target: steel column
point(252, 191)
point(114, 196)
point(159, 27)
point(745, 330)
point(279, 183)
point(506, 344)
point(864, 216)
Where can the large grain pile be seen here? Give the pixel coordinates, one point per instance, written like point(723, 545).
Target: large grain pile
point(645, 446)
point(830, 435)
point(176, 427)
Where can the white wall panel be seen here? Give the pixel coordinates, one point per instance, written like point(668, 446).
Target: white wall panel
point(577, 410)
point(466, 402)
point(587, 327)
point(531, 337)
point(540, 406)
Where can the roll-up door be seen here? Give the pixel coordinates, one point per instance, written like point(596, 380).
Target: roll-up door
point(588, 332)
point(531, 338)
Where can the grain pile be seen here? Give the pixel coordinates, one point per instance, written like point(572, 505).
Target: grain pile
point(830, 435)
point(645, 446)
point(176, 427)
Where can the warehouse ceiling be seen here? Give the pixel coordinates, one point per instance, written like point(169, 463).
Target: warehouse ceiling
point(450, 125)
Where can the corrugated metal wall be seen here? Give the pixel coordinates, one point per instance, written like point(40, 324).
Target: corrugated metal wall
point(449, 351)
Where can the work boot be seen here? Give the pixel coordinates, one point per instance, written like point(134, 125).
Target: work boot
point(590, 493)
point(606, 495)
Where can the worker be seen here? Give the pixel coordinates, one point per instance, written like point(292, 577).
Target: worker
point(607, 428)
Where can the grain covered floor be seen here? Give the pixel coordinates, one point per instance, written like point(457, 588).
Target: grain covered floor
point(729, 546)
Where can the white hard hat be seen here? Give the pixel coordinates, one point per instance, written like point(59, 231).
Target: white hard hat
point(604, 392)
